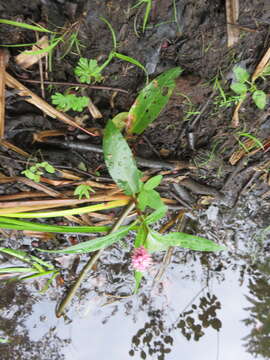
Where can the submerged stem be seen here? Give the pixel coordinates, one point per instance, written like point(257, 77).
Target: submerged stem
point(66, 301)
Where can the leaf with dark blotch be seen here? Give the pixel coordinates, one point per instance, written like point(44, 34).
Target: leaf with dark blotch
point(151, 100)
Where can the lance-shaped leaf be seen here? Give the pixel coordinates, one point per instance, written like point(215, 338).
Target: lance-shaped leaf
point(156, 215)
point(187, 241)
point(151, 100)
point(10, 223)
point(94, 244)
point(120, 161)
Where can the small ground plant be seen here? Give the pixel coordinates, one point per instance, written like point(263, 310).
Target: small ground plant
point(83, 190)
point(35, 171)
point(89, 71)
point(242, 86)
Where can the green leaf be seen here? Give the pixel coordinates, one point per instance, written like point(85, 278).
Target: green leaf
point(66, 102)
point(259, 97)
point(153, 244)
point(120, 120)
point(241, 74)
point(19, 254)
point(48, 167)
point(187, 241)
point(131, 60)
point(83, 190)
point(13, 269)
point(7, 223)
point(152, 183)
point(138, 278)
point(24, 25)
point(88, 70)
point(93, 244)
point(120, 161)
point(239, 88)
point(141, 236)
point(151, 100)
point(156, 215)
point(149, 198)
point(4, 340)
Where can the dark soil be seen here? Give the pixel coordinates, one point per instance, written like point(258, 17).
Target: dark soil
point(194, 127)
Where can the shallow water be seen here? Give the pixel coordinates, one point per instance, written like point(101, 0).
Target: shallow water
point(207, 306)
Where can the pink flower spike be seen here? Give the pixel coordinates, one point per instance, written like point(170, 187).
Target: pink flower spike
point(141, 259)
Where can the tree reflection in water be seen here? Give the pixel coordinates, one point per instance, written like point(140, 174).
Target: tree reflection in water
point(257, 342)
point(14, 312)
point(156, 338)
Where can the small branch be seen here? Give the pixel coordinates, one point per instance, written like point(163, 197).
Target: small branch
point(95, 87)
point(66, 301)
point(153, 164)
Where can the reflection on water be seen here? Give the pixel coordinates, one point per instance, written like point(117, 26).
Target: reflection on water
point(206, 307)
point(258, 341)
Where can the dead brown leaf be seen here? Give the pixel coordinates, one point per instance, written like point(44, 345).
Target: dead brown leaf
point(26, 60)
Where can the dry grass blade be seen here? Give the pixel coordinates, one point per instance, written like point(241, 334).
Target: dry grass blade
point(40, 187)
point(23, 206)
point(262, 65)
point(26, 60)
point(43, 135)
point(14, 148)
point(235, 118)
point(232, 14)
point(34, 99)
point(3, 62)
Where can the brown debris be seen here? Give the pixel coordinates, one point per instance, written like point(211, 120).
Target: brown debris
point(26, 59)
point(232, 14)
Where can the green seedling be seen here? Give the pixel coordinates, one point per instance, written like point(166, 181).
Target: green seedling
point(33, 267)
point(146, 13)
point(88, 71)
point(223, 100)
point(242, 86)
point(83, 190)
point(35, 171)
point(65, 102)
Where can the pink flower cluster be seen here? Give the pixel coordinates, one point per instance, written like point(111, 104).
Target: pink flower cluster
point(141, 259)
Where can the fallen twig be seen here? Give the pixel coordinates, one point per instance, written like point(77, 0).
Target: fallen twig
point(155, 164)
point(34, 99)
point(94, 87)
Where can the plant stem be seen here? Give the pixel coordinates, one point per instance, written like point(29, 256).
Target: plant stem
point(66, 301)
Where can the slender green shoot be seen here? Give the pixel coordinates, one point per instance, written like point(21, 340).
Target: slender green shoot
point(112, 32)
point(25, 26)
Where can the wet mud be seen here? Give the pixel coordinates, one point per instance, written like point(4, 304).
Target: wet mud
point(207, 306)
